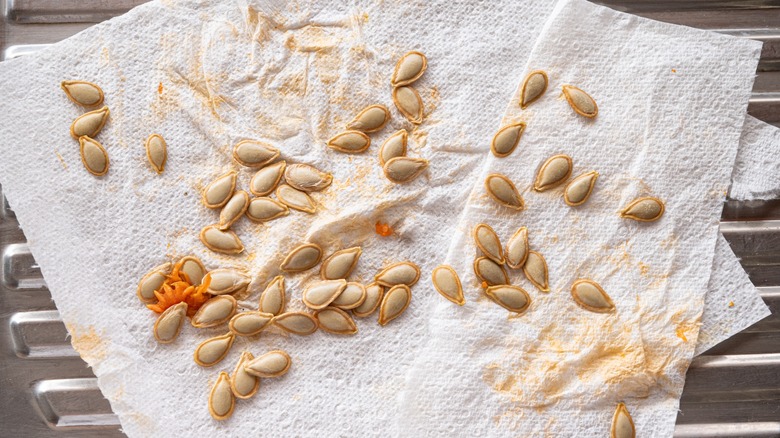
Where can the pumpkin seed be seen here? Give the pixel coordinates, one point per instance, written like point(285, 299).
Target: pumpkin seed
point(404, 169)
point(265, 209)
point(517, 249)
point(487, 241)
point(555, 171)
point(591, 296)
point(151, 282)
point(82, 92)
point(578, 190)
point(233, 210)
point(215, 311)
point(168, 324)
point(298, 323)
point(226, 242)
point(302, 258)
point(336, 321)
point(394, 146)
point(249, 323)
point(272, 300)
point(350, 142)
point(511, 298)
point(490, 272)
point(193, 267)
point(156, 152)
point(534, 86)
point(409, 103)
point(374, 293)
point(243, 384)
point(580, 101)
point(447, 283)
point(93, 156)
point(89, 124)
point(295, 199)
point(219, 191)
point(211, 351)
point(351, 297)
point(535, 270)
point(373, 118)
point(622, 423)
point(409, 68)
point(266, 179)
point(227, 281)
point(398, 273)
point(340, 264)
point(506, 139)
point(272, 364)
point(221, 400)
point(320, 294)
point(252, 153)
point(307, 178)
point(503, 191)
point(395, 301)
point(647, 209)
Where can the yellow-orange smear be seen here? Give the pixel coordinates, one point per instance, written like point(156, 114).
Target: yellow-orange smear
point(674, 71)
point(160, 88)
point(484, 285)
point(177, 288)
point(681, 334)
point(383, 230)
point(731, 304)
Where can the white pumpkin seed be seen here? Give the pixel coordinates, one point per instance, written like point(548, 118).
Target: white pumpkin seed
point(168, 324)
point(156, 152)
point(535, 270)
point(225, 242)
point(490, 272)
point(219, 191)
point(409, 68)
point(93, 156)
point(350, 142)
point(151, 282)
point(373, 118)
point(233, 210)
point(374, 294)
point(193, 268)
point(265, 209)
point(404, 169)
point(227, 281)
point(578, 190)
point(591, 296)
point(295, 199)
point(394, 146)
point(351, 297)
point(503, 191)
point(336, 321)
point(266, 179)
point(272, 300)
point(307, 178)
point(215, 311)
point(646, 209)
point(555, 171)
point(517, 249)
point(534, 86)
point(298, 323)
point(221, 400)
point(252, 153)
point(243, 384)
point(89, 124)
point(340, 264)
point(211, 351)
point(249, 323)
point(320, 294)
point(272, 364)
point(395, 301)
point(302, 258)
point(409, 103)
point(399, 273)
point(622, 423)
point(447, 283)
point(506, 139)
point(580, 101)
point(82, 92)
point(487, 241)
point(512, 298)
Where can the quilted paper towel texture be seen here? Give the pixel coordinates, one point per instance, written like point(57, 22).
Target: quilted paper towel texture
point(756, 172)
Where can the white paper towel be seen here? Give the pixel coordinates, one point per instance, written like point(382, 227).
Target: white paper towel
point(756, 172)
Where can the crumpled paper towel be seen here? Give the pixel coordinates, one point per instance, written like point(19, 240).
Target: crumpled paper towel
point(558, 368)
point(756, 172)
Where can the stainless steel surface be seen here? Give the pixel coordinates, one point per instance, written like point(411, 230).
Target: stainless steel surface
point(731, 391)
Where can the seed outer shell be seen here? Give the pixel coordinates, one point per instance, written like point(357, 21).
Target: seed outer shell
point(534, 86)
point(351, 297)
point(273, 298)
point(243, 384)
point(490, 272)
point(152, 281)
point(371, 119)
point(622, 423)
point(307, 178)
point(89, 123)
point(409, 68)
point(156, 152)
point(302, 258)
point(193, 268)
point(320, 294)
point(215, 311)
point(295, 199)
point(211, 351)
point(221, 399)
point(251, 153)
point(255, 320)
point(447, 283)
point(502, 190)
point(512, 298)
point(264, 209)
point(517, 248)
point(350, 142)
point(507, 138)
point(644, 209)
point(341, 263)
point(219, 191)
point(591, 296)
point(409, 103)
point(374, 294)
point(227, 281)
point(93, 156)
point(394, 303)
point(336, 321)
point(578, 190)
point(83, 93)
point(401, 170)
point(394, 146)
point(535, 270)
point(581, 102)
point(554, 172)
point(233, 209)
point(406, 273)
point(488, 242)
point(272, 364)
point(299, 323)
point(222, 241)
point(168, 325)
point(265, 180)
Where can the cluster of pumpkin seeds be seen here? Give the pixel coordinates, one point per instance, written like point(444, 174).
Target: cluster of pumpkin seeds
point(88, 125)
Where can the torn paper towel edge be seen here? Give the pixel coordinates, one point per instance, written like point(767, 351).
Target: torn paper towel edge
point(756, 172)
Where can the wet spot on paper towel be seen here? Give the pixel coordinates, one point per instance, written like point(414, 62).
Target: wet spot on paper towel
point(87, 342)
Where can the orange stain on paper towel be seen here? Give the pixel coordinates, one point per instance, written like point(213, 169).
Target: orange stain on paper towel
point(89, 344)
point(383, 230)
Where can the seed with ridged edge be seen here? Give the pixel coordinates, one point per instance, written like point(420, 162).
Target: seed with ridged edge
point(225, 242)
point(233, 210)
point(409, 68)
point(502, 190)
point(272, 364)
point(336, 321)
point(295, 199)
point(249, 323)
point(266, 179)
point(535, 270)
point(221, 400)
point(578, 190)
point(517, 249)
point(298, 323)
point(83, 93)
point(647, 209)
point(350, 142)
point(168, 325)
point(215, 311)
point(156, 152)
point(409, 103)
point(219, 191)
point(193, 268)
point(580, 101)
point(512, 298)
point(307, 178)
point(447, 283)
point(351, 297)
point(394, 146)
point(211, 351)
point(253, 153)
point(93, 156)
point(622, 423)
point(490, 272)
point(152, 281)
point(272, 300)
point(487, 241)
point(243, 384)
point(555, 171)
point(340, 264)
point(264, 209)
point(89, 124)
point(404, 169)
point(534, 86)
point(320, 294)
point(373, 118)
point(395, 301)
point(302, 258)
point(506, 139)
point(374, 294)
point(591, 296)
point(227, 281)
point(398, 273)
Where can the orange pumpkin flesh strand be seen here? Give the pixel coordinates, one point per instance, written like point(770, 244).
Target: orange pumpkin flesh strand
point(177, 288)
